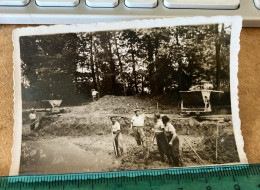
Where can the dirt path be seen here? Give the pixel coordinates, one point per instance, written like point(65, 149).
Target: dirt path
point(85, 154)
point(68, 155)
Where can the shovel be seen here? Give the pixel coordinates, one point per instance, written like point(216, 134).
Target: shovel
point(115, 148)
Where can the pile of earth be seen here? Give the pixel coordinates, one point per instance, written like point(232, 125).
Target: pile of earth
point(77, 126)
point(98, 124)
point(201, 136)
point(209, 131)
point(126, 105)
point(83, 126)
point(206, 127)
point(136, 159)
point(93, 118)
point(66, 125)
point(227, 151)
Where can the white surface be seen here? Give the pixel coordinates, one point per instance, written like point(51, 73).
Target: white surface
point(102, 3)
point(257, 3)
point(33, 14)
point(202, 4)
point(57, 3)
point(141, 4)
point(14, 2)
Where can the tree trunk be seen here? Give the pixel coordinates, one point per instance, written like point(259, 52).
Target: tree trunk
point(156, 66)
point(180, 75)
point(180, 86)
point(112, 67)
point(97, 63)
point(150, 51)
point(142, 84)
point(92, 66)
point(134, 70)
point(120, 65)
point(218, 64)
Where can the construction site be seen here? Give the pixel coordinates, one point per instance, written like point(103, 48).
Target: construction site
point(78, 139)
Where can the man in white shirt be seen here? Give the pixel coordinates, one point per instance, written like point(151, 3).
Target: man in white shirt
point(172, 140)
point(94, 94)
point(158, 126)
point(32, 117)
point(137, 124)
point(117, 136)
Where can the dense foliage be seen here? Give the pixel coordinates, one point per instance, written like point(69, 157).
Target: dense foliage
point(156, 60)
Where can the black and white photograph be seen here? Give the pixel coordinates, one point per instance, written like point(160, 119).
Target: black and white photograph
point(134, 97)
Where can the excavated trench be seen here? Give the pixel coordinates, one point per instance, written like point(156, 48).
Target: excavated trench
point(93, 121)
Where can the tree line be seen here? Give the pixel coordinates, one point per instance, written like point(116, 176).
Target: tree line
point(127, 62)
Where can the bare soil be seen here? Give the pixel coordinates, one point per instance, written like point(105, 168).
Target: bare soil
point(79, 139)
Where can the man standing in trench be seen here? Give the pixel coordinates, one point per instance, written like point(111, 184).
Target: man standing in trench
point(117, 136)
point(137, 124)
point(173, 142)
point(158, 126)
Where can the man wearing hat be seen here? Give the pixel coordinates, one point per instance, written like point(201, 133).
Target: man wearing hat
point(137, 124)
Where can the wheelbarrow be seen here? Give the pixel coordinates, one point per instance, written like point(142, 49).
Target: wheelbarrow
point(55, 105)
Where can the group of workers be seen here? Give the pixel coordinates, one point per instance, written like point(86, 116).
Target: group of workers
point(163, 131)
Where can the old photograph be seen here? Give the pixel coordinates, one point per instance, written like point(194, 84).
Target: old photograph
point(127, 98)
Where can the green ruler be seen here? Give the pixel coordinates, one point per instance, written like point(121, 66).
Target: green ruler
point(228, 177)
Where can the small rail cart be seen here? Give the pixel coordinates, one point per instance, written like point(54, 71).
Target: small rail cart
point(197, 98)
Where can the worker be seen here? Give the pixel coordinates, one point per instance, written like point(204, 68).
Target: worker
point(206, 101)
point(158, 126)
point(172, 140)
point(94, 94)
point(117, 136)
point(32, 117)
point(137, 124)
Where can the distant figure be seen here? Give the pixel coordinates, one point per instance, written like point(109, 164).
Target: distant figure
point(206, 85)
point(137, 124)
point(158, 126)
point(32, 117)
point(206, 100)
point(94, 94)
point(117, 136)
point(172, 140)
point(147, 90)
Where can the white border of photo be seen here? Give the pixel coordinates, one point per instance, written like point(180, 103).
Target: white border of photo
point(234, 21)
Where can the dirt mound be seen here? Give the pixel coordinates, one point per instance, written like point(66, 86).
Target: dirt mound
point(206, 147)
point(136, 159)
point(123, 103)
point(94, 118)
point(126, 104)
point(80, 126)
point(227, 152)
point(191, 126)
point(87, 125)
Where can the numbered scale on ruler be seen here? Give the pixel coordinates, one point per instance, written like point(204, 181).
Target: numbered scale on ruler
point(233, 177)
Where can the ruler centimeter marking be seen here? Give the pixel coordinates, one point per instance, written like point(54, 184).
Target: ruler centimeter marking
point(230, 177)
